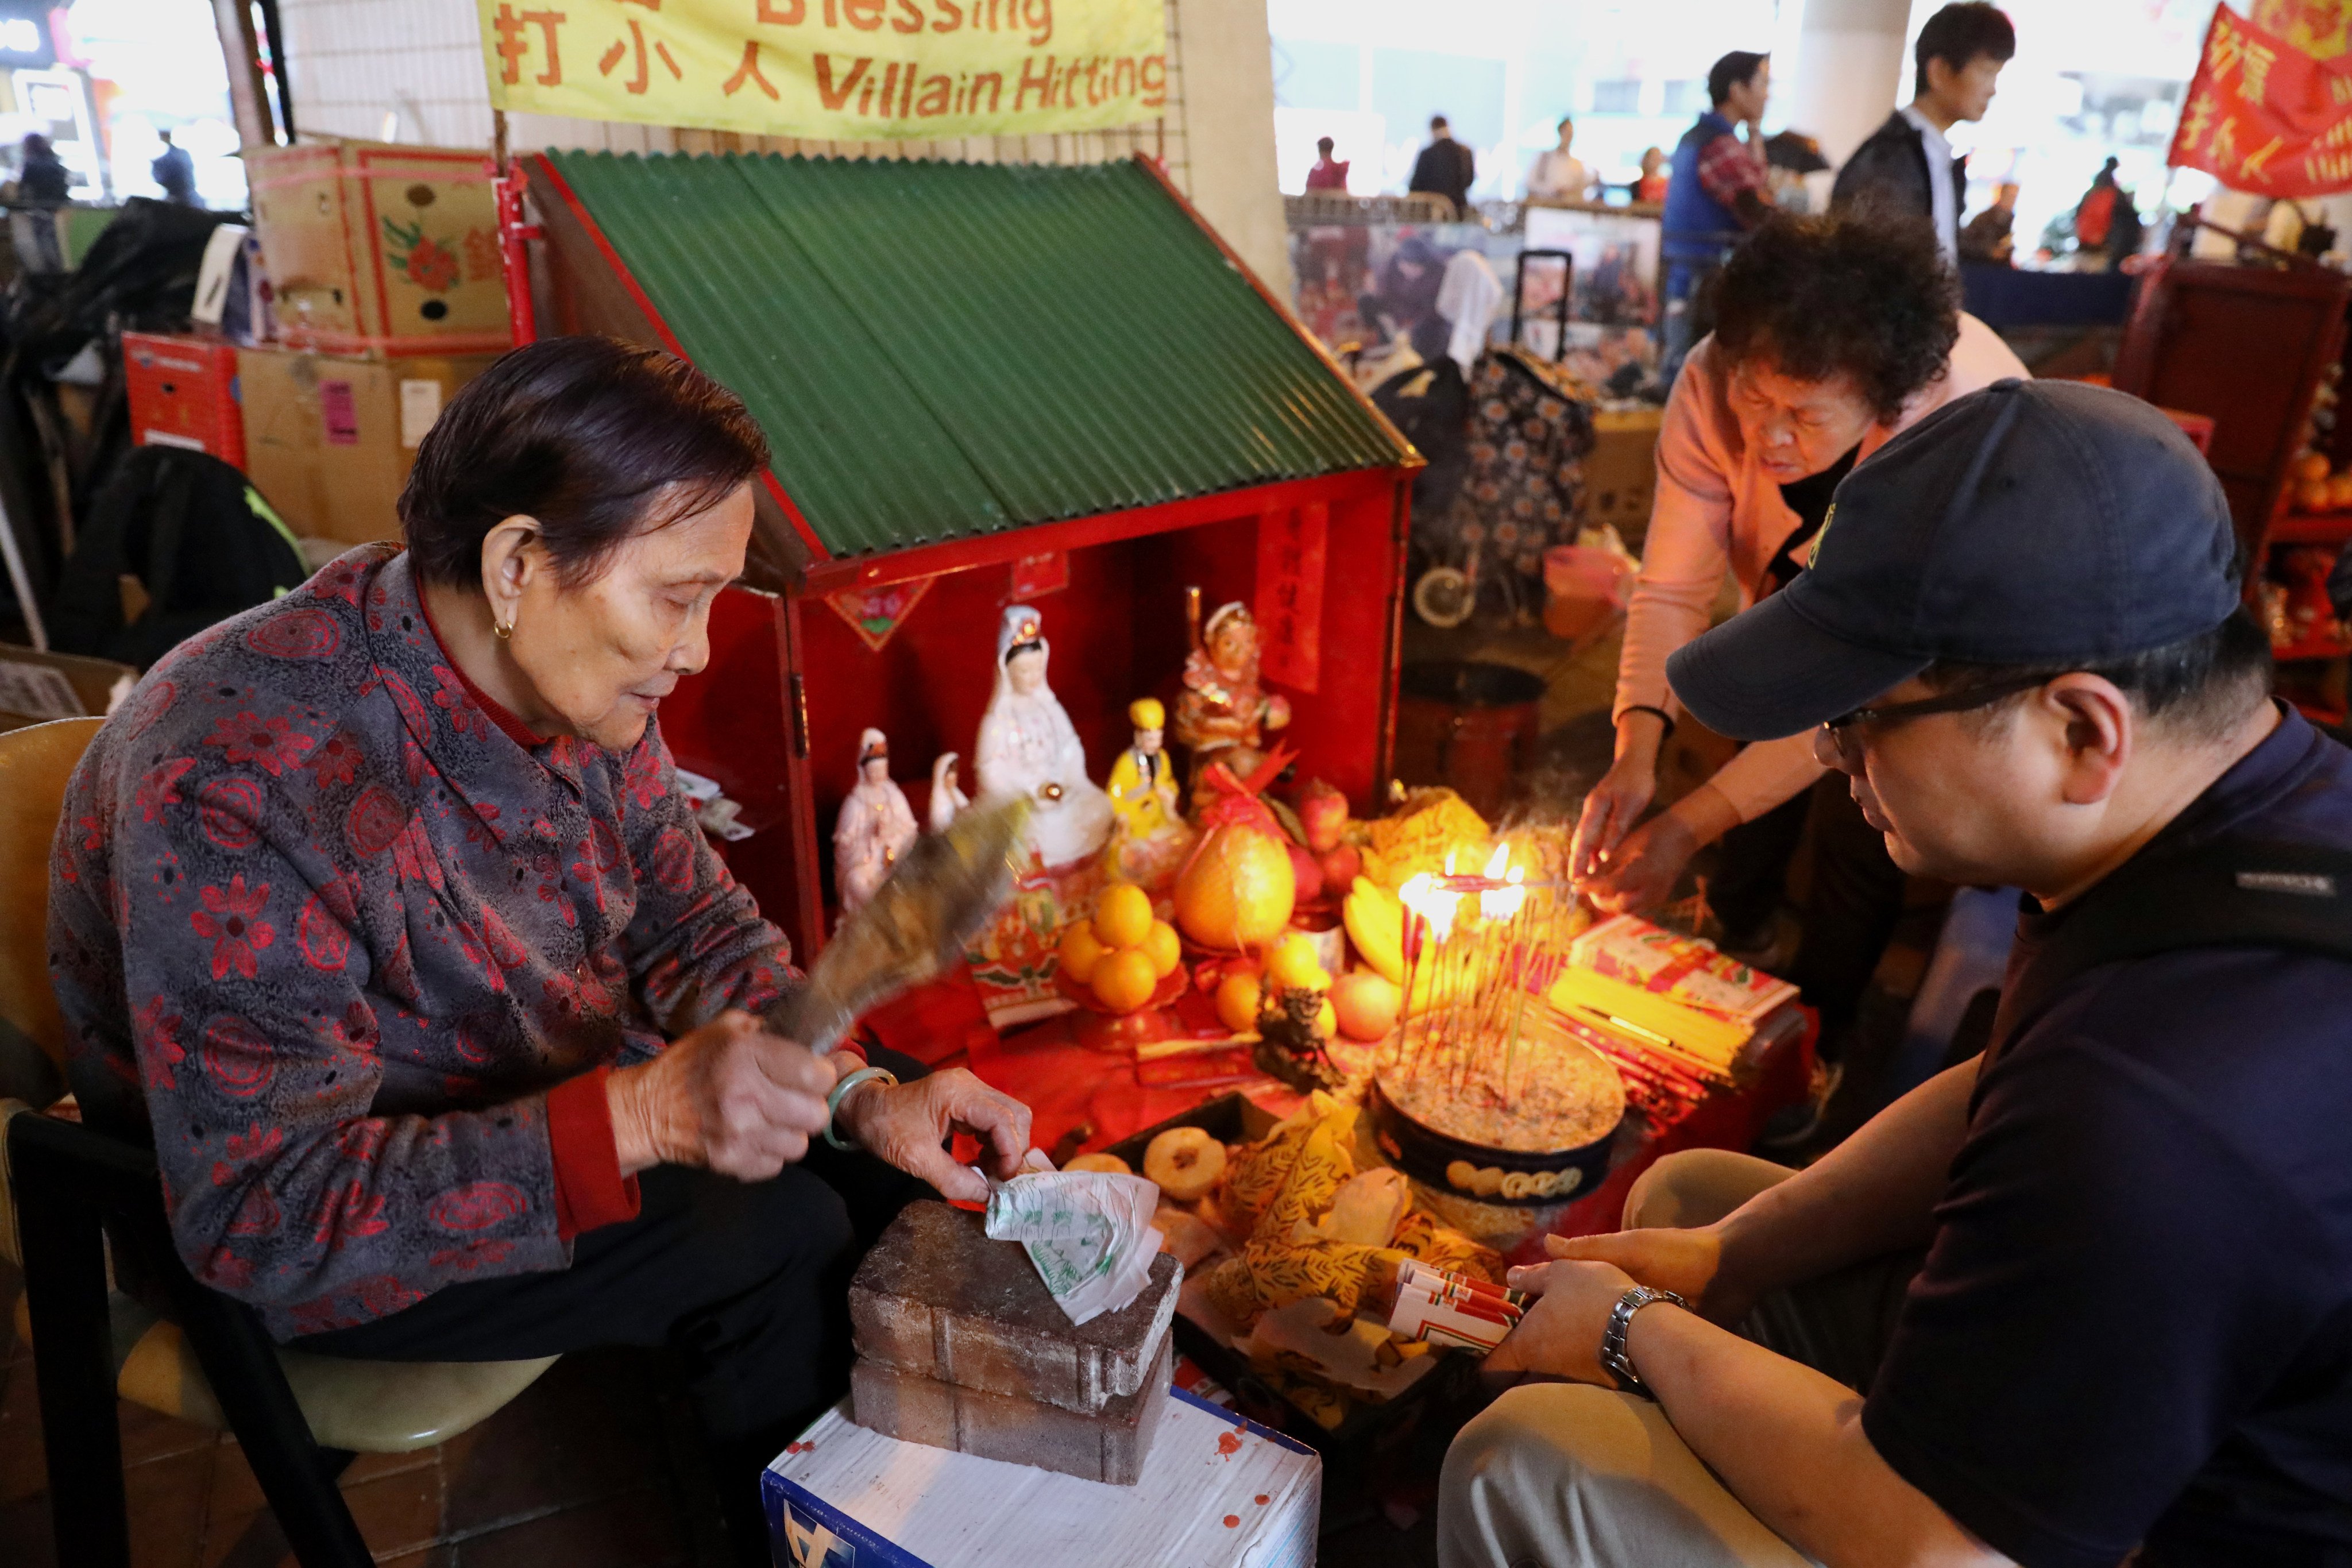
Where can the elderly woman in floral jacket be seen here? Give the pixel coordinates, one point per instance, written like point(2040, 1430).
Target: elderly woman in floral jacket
point(379, 911)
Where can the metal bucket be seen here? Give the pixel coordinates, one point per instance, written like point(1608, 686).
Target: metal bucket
point(1469, 725)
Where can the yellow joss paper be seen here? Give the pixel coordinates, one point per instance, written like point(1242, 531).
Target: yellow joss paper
point(1416, 838)
point(1281, 1186)
point(1707, 1036)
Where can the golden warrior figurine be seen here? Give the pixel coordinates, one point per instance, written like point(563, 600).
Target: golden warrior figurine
point(1223, 713)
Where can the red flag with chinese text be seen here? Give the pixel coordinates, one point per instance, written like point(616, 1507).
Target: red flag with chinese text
point(2263, 117)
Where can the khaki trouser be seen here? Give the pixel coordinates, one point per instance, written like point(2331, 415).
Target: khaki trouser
point(1566, 1475)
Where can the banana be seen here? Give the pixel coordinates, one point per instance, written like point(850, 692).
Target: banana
point(1375, 920)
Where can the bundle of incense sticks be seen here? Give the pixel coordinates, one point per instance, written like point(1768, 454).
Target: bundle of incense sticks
point(1480, 950)
point(1663, 1089)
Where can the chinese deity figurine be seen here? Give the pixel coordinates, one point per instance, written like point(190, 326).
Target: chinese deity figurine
point(1150, 836)
point(874, 827)
point(947, 796)
point(1223, 713)
point(1027, 746)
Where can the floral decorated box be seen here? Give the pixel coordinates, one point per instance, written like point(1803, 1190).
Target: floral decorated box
point(383, 249)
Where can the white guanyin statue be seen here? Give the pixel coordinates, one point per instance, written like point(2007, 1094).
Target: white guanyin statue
point(1028, 747)
point(874, 827)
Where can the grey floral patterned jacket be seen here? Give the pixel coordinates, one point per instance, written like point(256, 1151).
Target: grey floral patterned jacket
point(324, 930)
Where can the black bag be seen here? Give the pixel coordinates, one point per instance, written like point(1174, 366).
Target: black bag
point(1431, 406)
point(198, 537)
point(2227, 893)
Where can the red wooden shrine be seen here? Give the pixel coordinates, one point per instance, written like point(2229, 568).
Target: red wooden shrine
point(775, 716)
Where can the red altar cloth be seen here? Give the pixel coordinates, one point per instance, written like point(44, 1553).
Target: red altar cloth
point(1068, 1086)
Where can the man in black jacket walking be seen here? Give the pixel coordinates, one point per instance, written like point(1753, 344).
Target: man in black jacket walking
point(1908, 166)
point(1445, 168)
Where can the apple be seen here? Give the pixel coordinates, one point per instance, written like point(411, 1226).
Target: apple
point(1306, 873)
point(1323, 812)
point(1342, 865)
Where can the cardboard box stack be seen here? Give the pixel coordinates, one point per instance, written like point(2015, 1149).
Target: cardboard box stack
point(389, 295)
point(961, 1346)
point(329, 438)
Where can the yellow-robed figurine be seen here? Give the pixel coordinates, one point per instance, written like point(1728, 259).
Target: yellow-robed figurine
point(1149, 835)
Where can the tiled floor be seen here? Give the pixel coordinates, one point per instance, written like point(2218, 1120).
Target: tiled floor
point(591, 1467)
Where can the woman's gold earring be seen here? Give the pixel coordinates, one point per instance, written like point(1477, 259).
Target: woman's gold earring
point(504, 628)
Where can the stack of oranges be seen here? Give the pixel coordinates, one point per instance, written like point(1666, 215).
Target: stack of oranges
point(1123, 952)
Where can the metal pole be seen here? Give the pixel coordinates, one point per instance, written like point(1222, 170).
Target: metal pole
point(22, 582)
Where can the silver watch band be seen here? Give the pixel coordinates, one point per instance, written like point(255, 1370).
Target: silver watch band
point(1612, 1340)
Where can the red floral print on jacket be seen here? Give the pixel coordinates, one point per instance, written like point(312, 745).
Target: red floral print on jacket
point(329, 945)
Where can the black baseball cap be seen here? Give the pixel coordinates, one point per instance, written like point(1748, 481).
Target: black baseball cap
point(2031, 522)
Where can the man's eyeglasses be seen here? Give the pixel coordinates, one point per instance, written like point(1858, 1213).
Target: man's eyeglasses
point(1844, 733)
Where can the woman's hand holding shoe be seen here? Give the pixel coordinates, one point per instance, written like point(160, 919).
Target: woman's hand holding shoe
point(729, 1097)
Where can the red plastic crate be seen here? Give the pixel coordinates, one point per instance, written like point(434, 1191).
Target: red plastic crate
point(184, 393)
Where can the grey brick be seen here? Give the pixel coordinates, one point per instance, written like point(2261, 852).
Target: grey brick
point(937, 1299)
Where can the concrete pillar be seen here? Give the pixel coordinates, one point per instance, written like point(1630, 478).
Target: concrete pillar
point(1227, 59)
point(1851, 68)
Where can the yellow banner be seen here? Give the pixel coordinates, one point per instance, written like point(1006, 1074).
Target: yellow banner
point(833, 70)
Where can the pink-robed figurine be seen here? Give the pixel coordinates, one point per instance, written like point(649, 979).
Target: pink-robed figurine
point(873, 828)
point(1224, 713)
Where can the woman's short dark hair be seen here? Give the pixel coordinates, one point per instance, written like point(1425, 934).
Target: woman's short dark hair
point(1865, 294)
point(1957, 34)
point(1735, 69)
point(596, 438)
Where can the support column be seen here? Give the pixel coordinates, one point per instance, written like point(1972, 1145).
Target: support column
point(1228, 67)
point(248, 99)
point(1851, 70)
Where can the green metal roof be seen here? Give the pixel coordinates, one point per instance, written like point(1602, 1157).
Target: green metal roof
point(941, 350)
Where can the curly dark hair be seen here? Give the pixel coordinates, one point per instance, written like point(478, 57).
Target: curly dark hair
point(1865, 293)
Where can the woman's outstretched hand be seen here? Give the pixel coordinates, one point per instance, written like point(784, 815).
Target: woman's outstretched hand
point(905, 1124)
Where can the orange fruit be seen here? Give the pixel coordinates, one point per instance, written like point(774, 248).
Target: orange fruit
point(1081, 951)
point(2314, 495)
point(1237, 891)
point(1366, 1005)
point(2339, 492)
point(1122, 916)
point(1295, 965)
point(1165, 950)
point(2311, 466)
point(1237, 1002)
point(1124, 981)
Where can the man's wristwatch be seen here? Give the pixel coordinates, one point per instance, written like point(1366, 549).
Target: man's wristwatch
point(1612, 1340)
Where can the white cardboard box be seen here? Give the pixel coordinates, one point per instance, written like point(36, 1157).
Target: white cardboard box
point(1217, 1492)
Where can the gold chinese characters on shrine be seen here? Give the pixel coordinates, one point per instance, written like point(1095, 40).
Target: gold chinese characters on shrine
point(833, 70)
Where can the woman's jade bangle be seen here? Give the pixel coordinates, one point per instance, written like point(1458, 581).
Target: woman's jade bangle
point(841, 1092)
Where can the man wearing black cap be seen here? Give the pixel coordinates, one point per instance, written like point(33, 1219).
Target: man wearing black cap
point(2094, 1286)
